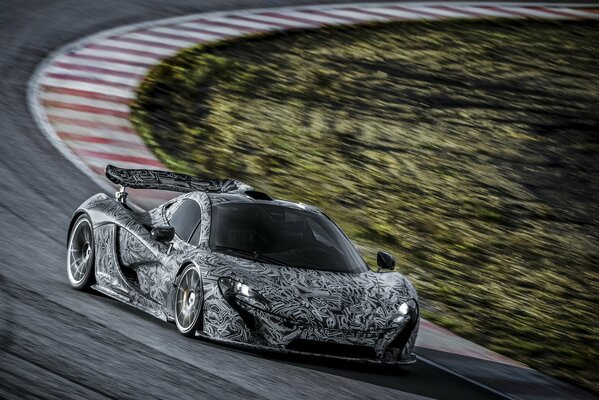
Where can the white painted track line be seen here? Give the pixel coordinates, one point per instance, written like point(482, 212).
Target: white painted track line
point(97, 133)
point(198, 36)
point(359, 15)
point(277, 19)
point(91, 87)
point(77, 74)
point(216, 30)
point(120, 55)
point(86, 116)
point(234, 19)
point(117, 67)
point(79, 100)
point(319, 19)
point(445, 12)
point(159, 51)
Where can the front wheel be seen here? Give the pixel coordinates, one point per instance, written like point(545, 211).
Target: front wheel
point(80, 256)
point(188, 301)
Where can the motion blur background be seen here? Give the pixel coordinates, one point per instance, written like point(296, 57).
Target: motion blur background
point(468, 148)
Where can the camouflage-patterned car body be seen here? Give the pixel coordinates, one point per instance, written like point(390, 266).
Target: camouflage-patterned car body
point(342, 315)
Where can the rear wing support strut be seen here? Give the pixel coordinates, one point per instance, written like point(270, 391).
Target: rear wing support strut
point(121, 195)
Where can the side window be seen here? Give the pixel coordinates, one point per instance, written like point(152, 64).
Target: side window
point(185, 219)
point(195, 238)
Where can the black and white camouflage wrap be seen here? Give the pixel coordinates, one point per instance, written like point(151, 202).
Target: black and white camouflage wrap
point(167, 180)
point(303, 305)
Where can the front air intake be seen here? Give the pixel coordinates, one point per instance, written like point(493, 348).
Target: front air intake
point(332, 349)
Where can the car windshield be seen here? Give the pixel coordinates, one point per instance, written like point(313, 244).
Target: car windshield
point(284, 236)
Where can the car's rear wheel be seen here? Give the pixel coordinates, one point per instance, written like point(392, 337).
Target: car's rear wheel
point(188, 301)
point(80, 256)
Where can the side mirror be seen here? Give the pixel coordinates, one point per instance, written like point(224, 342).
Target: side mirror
point(164, 234)
point(385, 260)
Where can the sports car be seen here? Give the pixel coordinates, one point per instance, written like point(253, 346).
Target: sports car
point(233, 265)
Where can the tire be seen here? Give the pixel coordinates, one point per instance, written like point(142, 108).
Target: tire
point(189, 299)
point(81, 254)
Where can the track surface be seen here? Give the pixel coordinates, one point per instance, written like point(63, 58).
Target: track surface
point(56, 342)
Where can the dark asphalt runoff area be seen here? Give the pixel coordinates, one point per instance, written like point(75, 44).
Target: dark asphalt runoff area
point(60, 343)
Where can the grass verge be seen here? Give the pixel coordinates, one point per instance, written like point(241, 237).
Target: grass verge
point(467, 148)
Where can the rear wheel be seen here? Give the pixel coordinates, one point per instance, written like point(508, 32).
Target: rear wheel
point(80, 256)
point(188, 301)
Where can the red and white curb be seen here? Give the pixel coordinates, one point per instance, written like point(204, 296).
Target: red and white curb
point(80, 95)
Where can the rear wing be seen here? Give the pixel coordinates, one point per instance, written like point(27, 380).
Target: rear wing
point(166, 180)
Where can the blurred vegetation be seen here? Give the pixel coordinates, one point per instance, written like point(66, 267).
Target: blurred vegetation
point(469, 149)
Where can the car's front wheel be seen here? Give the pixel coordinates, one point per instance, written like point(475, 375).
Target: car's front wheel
point(188, 301)
point(80, 256)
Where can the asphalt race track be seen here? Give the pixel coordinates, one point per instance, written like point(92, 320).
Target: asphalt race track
point(60, 343)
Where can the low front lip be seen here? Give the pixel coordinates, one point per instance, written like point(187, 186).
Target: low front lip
point(285, 351)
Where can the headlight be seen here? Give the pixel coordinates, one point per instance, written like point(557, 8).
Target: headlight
point(404, 308)
point(241, 291)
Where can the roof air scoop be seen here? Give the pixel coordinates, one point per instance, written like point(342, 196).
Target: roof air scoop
point(256, 195)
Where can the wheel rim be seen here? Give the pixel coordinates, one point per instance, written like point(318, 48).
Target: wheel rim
point(188, 299)
point(80, 252)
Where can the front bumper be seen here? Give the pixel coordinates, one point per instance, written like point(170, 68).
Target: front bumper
point(229, 321)
point(392, 345)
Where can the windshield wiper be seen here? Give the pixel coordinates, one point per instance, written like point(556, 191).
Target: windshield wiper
point(255, 256)
point(234, 250)
point(261, 257)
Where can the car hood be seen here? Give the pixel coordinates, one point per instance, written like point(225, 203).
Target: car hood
point(330, 300)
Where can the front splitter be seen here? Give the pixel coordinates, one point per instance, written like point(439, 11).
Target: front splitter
point(281, 351)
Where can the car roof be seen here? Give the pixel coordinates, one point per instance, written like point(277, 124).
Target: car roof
point(258, 198)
